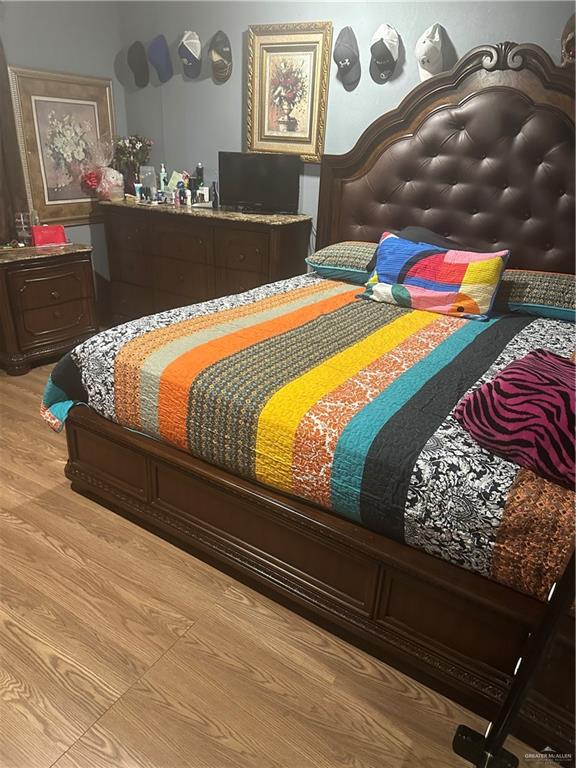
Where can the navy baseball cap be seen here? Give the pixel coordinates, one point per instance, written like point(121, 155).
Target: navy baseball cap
point(159, 57)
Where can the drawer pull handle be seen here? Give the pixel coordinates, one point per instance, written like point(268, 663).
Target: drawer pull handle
point(181, 278)
point(200, 241)
point(57, 314)
point(257, 251)
point(241, 257)
point(55, 294)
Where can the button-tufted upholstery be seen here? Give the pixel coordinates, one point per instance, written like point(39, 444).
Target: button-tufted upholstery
point(494, 171)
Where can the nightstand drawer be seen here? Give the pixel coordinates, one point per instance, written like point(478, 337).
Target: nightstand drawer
point(242, 250)
point(35, 288)
point(64, 321)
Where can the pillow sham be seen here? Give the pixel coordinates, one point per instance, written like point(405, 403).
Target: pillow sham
point(532, 292)
point(525, 414)
point(543, 294)
point(347, 261)
point(425, 276)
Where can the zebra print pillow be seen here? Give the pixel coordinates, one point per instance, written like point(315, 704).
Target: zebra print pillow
point(525, 414)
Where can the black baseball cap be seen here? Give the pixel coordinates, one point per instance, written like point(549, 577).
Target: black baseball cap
point(138, 63)
point(220, 53)
point(347, 58)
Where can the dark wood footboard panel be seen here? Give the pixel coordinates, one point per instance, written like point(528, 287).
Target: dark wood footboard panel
point(455, 631)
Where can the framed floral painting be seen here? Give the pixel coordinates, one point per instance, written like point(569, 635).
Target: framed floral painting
point(60, 120)
point(287, 94)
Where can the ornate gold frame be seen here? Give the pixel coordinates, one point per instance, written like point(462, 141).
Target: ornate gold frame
point(28, 83)
point(318, 33)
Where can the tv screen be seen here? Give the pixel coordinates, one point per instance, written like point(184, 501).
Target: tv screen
point(267, 183)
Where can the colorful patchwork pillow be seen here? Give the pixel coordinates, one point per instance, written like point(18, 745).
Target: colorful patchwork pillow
point(525, 414)
point(544, 294)
point(347, 261)
point(424, 276)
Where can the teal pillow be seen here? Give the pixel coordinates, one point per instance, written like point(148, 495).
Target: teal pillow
point(542, 294)
point(347, 261)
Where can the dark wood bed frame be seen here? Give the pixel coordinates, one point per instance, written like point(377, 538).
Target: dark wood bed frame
point(453, 630)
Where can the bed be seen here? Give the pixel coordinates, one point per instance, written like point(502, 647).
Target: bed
point(439, 612)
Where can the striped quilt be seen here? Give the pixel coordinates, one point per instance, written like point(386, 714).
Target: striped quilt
point(303, 387)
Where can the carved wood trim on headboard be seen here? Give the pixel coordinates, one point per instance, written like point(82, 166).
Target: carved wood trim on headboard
point(523, 196)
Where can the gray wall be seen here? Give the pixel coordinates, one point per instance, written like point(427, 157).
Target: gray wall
point(192, 120)
point(82, 38)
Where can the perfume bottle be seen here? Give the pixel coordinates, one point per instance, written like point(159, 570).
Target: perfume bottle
point(200, 175)
point(214, 195)
point(163, 177)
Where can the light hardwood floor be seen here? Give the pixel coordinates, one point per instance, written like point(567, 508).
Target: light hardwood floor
point(121, 651)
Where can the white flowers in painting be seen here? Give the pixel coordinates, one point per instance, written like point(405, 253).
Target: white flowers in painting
point(67, 140)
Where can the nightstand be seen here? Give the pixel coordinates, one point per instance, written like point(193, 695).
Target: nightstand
point(47, 303)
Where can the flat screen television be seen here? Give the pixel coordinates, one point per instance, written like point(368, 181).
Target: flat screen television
point(259, 182)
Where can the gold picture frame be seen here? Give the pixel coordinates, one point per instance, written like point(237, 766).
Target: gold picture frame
point(59, 118)
point(287, 88)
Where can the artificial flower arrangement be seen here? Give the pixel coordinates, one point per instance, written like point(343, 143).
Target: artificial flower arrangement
point(131, 151)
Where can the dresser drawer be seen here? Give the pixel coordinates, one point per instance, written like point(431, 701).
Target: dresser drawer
point(164, 301)
point(131, 267)
point(191, 280)
point(236, 281)
point(242, 250)
point(130, 301)
point(64, 321)
point(43, 287)
point(127, 231)
point(182, 240)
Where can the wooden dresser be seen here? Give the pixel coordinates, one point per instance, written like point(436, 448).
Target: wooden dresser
point(161, 257)
point(47, 303)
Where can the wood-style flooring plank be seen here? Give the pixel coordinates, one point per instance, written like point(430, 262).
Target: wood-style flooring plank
point(121, 651)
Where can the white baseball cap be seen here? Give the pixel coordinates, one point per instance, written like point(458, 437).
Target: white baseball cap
point(384, 48)
point(429, 52)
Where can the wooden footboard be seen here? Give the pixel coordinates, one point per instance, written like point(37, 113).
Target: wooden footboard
point(453, 630)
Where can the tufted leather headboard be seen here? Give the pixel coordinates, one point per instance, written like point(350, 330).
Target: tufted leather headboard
point(483, 154)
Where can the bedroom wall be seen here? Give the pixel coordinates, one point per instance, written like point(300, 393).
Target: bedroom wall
point(82, 38)
point(192, 120)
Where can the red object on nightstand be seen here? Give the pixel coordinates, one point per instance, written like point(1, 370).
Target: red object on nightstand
point(49, 234)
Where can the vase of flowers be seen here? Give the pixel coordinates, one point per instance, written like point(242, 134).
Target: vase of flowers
point(130, 152)
point(288, 88)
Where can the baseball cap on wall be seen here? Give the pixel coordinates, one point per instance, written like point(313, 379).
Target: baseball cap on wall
point(384, 48)
point(347, 58)
point(190, 53)
point(159, 57)
point(429, 51)
point(138, 63)
point(220, 53)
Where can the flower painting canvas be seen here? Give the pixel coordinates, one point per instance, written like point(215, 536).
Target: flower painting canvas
point(289, 82)
point(61, 121)
point(288, 69)
point(65, 132)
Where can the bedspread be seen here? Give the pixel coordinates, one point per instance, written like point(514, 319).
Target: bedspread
point(303, 387)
